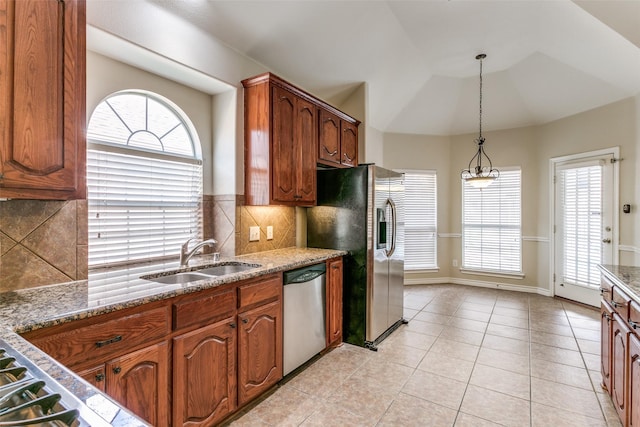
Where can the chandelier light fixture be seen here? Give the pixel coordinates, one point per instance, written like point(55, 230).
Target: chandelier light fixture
point(477, 174)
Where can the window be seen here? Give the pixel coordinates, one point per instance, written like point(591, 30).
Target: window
point(491, 228)
point(420, 215)
point(144, 179)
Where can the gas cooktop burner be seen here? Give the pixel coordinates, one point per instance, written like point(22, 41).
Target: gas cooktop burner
point(30, 397)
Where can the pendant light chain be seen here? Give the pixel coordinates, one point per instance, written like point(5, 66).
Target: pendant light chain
point(480, 98)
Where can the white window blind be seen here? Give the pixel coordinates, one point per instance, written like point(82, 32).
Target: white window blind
point(420, 209)
point(582, 224)
point(491, 225)
point(144, 181)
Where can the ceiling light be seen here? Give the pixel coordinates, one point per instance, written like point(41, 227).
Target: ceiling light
point(480, 175)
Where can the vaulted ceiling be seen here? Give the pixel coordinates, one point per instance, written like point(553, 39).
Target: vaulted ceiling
point(545, 59)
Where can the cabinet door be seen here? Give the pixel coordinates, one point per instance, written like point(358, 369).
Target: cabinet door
point(334, 302)
point(42, 99)
point(284, 156)
point(306, 137)
point(140, 382)
point(329, 138)
point(204, 374)
point(606, 323)
point(259, 350)
point(634, 381)
point(94, 376)
point(619, 365)
point(349, 144)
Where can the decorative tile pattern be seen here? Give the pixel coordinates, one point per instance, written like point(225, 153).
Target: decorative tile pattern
point(42, 242)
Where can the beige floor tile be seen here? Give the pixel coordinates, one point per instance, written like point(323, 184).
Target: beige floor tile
point(402, 354)
point(462, 335)
point(287, 406)
point(545, 416)
point(409, 313)
point(317, 380)
point(508, 332)
point(509, 321)
point(412, 339)
point(592, 324)
point(592, 361)
point(565, 397)
point(247, 420)
point(551, 328)
point(609, 410)
point(564, 374)
point(513, 304)
point(455, 349)
point(426, 316)
point(543, 317)
point(484, 308)
point(596, 381)
point(471, 325)
point(502, 381)
point(581, 312)
point(384, 374)
point(355, 397)
point(444, 365)
point(591, 347)
point(497, 407)
point(506, 344)
point(409, 411)
point(504, 360)
point(511, 312)
point(436, 389)
point(556, 354)
point(416, 302)
point(422, 327)
point(466, 420)
point(441, 308)
point(586, 334)
point(481, 299)
point(554, 340)
point(472, 315)
point(332, 415)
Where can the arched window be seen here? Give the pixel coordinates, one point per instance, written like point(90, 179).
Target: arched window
point(144, 178)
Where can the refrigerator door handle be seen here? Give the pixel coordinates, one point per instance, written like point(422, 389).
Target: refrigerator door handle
point(393, 228)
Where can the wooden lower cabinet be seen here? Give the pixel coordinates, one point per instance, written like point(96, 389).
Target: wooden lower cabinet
point(619, 337)
point(259, 350)
point(138, 380)
point(634, 381)
point(606, 322)
point(334, 301)
point(204, 374)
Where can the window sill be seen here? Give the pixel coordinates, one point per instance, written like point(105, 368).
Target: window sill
point(422, 270)
point(491, 273)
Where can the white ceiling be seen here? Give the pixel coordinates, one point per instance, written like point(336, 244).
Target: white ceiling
point(545, 59)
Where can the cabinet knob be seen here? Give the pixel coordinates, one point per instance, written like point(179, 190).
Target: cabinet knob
point(633, 324)
point(99, 378)
point(232, 325)
point(245, 321)
point(117, 370)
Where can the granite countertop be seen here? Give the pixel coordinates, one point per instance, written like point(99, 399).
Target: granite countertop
point(114, 289)
point(626, 277)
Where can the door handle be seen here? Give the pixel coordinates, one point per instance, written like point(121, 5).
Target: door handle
point(606, 240)
point(394, 225)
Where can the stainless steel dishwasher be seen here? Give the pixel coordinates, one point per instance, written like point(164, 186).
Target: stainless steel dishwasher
point(304, 315)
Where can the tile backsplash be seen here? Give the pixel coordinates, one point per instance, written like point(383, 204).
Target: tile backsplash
point(45, 242)
point(42, 242)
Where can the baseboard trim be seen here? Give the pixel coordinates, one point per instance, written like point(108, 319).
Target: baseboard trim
point(480, 284)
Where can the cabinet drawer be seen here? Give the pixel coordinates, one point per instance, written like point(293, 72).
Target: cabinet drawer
point(620, 302)
point(264, 290)
point(103, 339)
point(634, 317)
point(204, 310)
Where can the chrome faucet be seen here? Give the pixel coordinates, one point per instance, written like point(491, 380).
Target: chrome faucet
point(186, 254)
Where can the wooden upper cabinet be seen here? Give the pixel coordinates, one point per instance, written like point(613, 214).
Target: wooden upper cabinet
point(42, 99)
point(282, 128)
point(337, 140)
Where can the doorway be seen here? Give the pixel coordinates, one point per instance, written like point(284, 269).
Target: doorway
point(584, 222)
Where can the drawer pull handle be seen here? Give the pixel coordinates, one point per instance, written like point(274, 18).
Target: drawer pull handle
point(603, 291)
point(99, 378)
point(607, 317)
point(232, 325)
point(331, 153)
point(617, 304)
point(117, 370)
point(117, 338)
point(245, 321)
point(633, 324)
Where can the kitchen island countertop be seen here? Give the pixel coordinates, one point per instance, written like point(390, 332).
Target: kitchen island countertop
point(626, 277)
point(114, 289)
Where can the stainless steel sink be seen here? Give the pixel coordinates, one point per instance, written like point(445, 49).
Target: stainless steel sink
point(179, 278)
point(221, 270)
point(201, 273)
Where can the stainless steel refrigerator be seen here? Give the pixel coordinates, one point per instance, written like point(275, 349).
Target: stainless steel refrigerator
point(360, 210)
